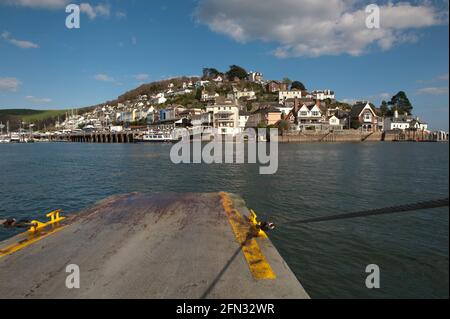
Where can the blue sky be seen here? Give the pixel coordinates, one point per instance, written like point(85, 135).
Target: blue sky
point(121, 44)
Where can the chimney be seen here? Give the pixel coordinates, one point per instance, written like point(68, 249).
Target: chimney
point(318, 103)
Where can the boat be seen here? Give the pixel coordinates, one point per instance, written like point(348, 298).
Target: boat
point(157, 137)
point(4, 139)
point(15, 138)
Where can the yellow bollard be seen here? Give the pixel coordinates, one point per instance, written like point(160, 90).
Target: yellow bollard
point(55, 218)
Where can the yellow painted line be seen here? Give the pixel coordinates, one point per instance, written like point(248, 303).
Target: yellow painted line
point(245, 235)
point(31, 239)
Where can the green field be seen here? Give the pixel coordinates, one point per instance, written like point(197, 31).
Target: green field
point(32, 115)
point(41, 118)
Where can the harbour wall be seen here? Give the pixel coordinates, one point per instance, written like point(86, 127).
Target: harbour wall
point(344, 136)
point(300, 137)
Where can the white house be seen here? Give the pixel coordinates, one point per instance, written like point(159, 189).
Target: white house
point(159, 98)
point(206, 96)
point(322, 95)
point(334, 121)
point(245, 94)
point(309, 114)
point(225, 118)
point(286, 95)
point(404, 122)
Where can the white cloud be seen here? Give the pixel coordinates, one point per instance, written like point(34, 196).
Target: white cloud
point(34, 99)
point(44, 4)
point(433, 90)
point(103, 78)
point(18, 43)
point(141, 77)
point(444, 77)
point(93, 11)
point(315, 28)
point(9, 84)
point(350, 101)
point(121, 14)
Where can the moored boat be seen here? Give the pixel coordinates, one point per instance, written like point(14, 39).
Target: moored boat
point(157, 137)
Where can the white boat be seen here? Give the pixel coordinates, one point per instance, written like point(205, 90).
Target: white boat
point(4, 139)
point(157, 137)
point(15, 138)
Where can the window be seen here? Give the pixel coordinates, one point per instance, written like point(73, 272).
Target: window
point(315, 113)
point(303, 113)
point(367, 117)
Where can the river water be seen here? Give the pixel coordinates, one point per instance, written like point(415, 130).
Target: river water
point(329, 258)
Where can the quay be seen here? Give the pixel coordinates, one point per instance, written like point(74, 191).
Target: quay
point(152, 246)
point(122, 137)
point(328, 136)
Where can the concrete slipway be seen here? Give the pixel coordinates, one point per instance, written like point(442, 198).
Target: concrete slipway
point(151, 246)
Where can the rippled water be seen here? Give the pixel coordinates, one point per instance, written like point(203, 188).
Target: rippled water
point(329, 258)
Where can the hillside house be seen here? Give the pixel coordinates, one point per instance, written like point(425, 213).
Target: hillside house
point(287, 95)
point(276, 86)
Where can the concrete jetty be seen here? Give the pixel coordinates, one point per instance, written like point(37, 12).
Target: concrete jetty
point(151, 246)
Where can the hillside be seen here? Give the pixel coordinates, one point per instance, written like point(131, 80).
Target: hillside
point(40, 118)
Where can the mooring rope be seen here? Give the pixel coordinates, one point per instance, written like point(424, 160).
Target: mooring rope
point(13, 223)
point(431, 204)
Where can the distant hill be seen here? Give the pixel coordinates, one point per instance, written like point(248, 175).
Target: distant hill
point(41, 118)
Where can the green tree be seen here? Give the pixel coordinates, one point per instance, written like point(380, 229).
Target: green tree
point(384, 108)
point(236, 72)
point(198, 94)
point(287, 81)
point(354, 124)
point(401, 103)
point(297, 85)
point(209, 73)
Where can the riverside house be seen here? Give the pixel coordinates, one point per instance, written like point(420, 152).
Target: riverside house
point(225, 118)
point(264, 116)
point(404, 122)
point(311, 114)
point(365, 116)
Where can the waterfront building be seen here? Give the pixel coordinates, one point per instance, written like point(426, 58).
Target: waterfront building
point(204, 119)
point(404, 122)
point(310, 114)
point(364, 115)
point(225, 118)
point(264, 116)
